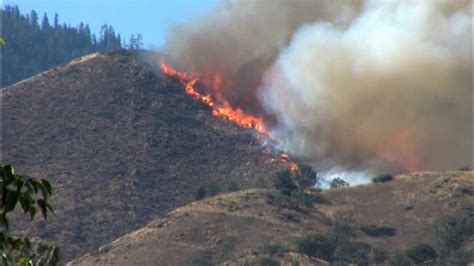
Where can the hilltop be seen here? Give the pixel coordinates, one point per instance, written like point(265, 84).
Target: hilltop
point(235, 228)
point(122, 144)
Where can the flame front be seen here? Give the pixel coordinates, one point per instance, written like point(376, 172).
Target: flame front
point(219, 106)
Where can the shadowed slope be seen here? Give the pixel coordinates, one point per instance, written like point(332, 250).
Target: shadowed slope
point(121, 145)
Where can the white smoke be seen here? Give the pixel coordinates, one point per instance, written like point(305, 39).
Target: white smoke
point(394, 85)
point(364, 86)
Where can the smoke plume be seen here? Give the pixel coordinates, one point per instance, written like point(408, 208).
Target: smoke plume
point(355, 85)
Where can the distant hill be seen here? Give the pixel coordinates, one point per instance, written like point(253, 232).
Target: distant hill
point(121, 146)
point(240, 228)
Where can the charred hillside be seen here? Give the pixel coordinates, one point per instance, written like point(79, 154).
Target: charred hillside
point(121, 146)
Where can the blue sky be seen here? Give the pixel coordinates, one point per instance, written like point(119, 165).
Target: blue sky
point(151, 18)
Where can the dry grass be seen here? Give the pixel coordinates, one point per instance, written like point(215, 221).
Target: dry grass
point(253, 218)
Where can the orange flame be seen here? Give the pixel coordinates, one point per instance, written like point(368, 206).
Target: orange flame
point(216, 102)
point(219, 106)
point(400, 148)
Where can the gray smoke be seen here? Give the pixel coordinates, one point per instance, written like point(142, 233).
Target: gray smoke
point(354, 85)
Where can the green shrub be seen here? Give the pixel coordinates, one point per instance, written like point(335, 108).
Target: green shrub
point(453, 231)
point(300, 198)
point(226, 247)
point(338, 182)
point(232, 186)
point(354, 252)
point(269, 262)
point(272, 249)
point(200, 193)
point(421, 253)
point(399, 258)
point(460, 257)
point(378, 231)
point(295, 263)
point(316, 245)
point(212, 189)
point(380, 255)
point(31, 195)
point(382, 179)
point(202, 258)
point(284, 183)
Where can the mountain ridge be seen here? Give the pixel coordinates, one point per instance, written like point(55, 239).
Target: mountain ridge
point(121, 144)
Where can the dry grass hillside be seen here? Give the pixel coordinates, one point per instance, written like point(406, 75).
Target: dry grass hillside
point(121, 146)
point(238, 228)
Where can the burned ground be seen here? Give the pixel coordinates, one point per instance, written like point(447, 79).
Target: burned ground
point(121, 146)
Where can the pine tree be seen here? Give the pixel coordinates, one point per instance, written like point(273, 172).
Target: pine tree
point(31, 48)
point(56, 22)
point(45, 22)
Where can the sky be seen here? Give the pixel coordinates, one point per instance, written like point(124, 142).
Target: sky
point(150, 18)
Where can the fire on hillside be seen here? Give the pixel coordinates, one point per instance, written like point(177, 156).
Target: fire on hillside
point(221, 108)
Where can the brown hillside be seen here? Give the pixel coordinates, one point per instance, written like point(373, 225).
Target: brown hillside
point(232, 229)
point(121, 145)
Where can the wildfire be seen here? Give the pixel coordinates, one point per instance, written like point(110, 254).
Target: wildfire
point(286, 159)
point(219, 106)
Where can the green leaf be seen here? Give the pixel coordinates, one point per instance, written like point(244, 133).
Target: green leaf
point(9, 174)
point(43, 189)
point(4, 220)
point(41, 203)
point(32, 211)
point(49, 206)
point(24, 262)
point(12, 200)
point(19, 184)
point(47, 185)
point(6, 260)
point(25, 202)
point(32, 186)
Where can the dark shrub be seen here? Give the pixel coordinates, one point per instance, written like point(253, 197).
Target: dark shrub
point(382, 179)
point(213, 189)
point(421, 253)
point(380, 255)
point(233, 186)
point(452, 231)
point(316, 245)
point(306, 176)
point(399, 259)
point(284, 183)
point(200, 193)
point(377, 231)
point(460, 257)
point(226, 247)
point(269, 262)
point(338, 182)
point(354, 252)
point(272, 249)
point(465, 168)
point(201, 259)
point(300, 198)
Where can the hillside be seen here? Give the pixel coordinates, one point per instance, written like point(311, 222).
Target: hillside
point(121, 146)
point(233, 229)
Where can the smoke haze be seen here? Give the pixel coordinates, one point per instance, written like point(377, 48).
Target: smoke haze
point(355, 85)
